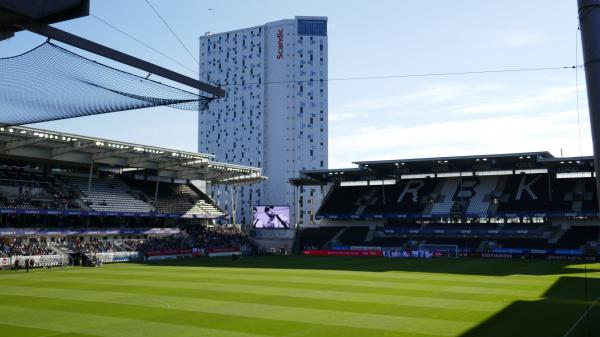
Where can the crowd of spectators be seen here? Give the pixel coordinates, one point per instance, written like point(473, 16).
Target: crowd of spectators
point(14, 247)
point(198, 237)
point(26, 190)
point(64, 201)
point(202, 237)
point(219, 237)
point(167, 243)
point(76, 222)
point(93, 246)
point(17, 247)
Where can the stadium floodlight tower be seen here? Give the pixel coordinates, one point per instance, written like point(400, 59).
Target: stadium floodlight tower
point(36, 15)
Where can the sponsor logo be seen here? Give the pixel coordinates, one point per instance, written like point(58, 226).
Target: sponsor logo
point(497, 256)
point(280, 43)
point(343, 252)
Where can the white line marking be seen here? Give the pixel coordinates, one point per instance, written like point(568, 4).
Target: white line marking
point(581, 317)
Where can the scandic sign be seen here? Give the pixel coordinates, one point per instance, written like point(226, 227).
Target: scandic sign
point(343, 252)
point(280, 43)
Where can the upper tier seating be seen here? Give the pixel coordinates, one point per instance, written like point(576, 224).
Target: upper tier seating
point(107, 194)
point(466, 196)
point(353, 236)
point(315, 238)
point(176, 198)
point(28, 189)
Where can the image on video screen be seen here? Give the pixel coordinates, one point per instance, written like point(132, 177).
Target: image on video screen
point(270, 216)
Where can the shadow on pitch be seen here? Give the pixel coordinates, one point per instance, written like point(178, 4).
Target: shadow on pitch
point(466, 266)
point(559, 312)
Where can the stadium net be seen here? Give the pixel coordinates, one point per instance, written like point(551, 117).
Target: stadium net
point(51, 83)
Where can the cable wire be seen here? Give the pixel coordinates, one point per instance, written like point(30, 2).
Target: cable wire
point(143, 43)
point(172, 31)
point(477, 72)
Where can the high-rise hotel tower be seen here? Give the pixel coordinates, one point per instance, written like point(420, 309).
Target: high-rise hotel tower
point(275, 112)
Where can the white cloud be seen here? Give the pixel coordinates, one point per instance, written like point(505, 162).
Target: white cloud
point(477, 136)
point(518, 38)
point(520, 103)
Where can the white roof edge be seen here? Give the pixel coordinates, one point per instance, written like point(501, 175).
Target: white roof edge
point(311, 18)
point(204, 36)
point(98, 139)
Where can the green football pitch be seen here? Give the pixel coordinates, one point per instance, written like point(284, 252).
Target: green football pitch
point(305, 296)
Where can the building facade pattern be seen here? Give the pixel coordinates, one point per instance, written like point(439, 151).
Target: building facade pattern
point(275, 112)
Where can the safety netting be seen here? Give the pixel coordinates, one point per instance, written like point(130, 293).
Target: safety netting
point(50, 83)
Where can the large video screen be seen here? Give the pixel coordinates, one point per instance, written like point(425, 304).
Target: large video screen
point(270, 216)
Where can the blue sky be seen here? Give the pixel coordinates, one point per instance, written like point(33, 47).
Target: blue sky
point(383, 118)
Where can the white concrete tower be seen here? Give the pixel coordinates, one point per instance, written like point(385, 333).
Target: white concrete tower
point(275, 112)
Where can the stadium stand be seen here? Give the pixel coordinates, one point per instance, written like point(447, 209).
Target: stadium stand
point(28, 189)
point(439, 197)
point(522, 202)
point(316, 238)
point(70, 199)
point(175, 198)
point(107, 194)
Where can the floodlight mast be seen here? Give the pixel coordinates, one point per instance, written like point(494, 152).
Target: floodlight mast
point(93, 47)
point(589, 21)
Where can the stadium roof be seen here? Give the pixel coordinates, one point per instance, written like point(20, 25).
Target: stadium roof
point(60, 147)
point(395, 169)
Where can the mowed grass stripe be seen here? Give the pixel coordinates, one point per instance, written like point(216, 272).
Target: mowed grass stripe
point(463, 269)
point(116, 325)
point(185, 300)
point(247, 312)
point(450, 291)
point(403, 269)
point(24, 331)
point(429, 281)
point(234, 319)
point(210, 308)
point(422, 299)
point(308, 275)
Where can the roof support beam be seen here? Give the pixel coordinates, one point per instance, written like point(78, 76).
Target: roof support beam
point(108, 154)
point(93, 47)
point(78, 145)
point(199, 170)
point(181, 162)
point(20, 143)
point(145, 157)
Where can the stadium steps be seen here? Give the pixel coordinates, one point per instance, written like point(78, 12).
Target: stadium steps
point(480, 202)
point(126, 247)
point(64, 249)
point(59, 250)
point(577, 205)
point(325, 200)
point(370, 234)
point(122, 246)
point(109, 194)
point(555, 236)
point(175, 198)
point(207, 203)
point(335, 237)
point(497, 193)
point(444, 206)
point(63, 187)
